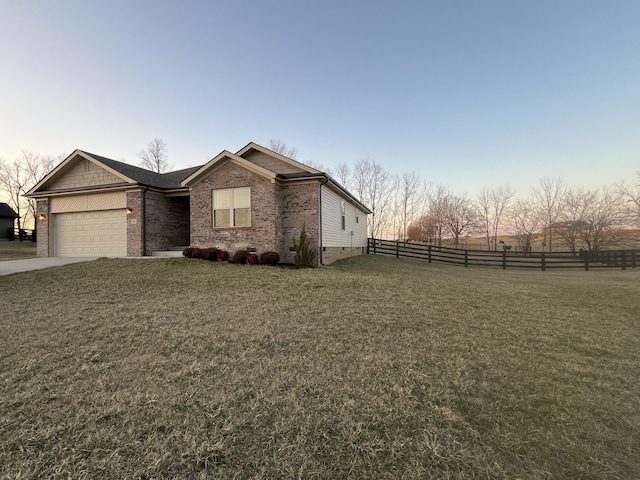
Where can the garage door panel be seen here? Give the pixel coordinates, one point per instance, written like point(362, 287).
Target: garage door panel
point(91, 234)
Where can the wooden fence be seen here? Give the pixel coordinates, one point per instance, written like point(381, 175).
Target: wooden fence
point(506, 259)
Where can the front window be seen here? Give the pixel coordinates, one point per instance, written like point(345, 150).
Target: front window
point(232, 207)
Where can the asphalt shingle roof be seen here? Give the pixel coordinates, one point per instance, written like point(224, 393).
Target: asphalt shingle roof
point(146, 177)
point(7, 212)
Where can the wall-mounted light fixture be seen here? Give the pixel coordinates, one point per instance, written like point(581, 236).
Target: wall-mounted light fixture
point(42, 217)
point(129, 211)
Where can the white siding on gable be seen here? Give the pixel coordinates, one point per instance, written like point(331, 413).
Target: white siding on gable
point(332, 233)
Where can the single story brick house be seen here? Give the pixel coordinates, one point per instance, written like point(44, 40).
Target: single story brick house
point(7, 220)
point(255, 198)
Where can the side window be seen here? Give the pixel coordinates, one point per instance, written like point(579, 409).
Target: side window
point(343, 209)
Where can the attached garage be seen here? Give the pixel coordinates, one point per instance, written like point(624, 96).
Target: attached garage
point(101, 233)
point(89, 225)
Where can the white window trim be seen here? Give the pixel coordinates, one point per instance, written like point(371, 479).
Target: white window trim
point(232, 218)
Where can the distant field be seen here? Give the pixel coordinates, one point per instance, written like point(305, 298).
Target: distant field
point(371, 368)
point(630, 240)
point(16, 250)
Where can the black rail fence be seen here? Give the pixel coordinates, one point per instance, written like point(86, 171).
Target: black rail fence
point(506, 259)
point(21, 234)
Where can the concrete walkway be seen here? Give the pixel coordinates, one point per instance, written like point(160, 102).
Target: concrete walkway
point(28, 264)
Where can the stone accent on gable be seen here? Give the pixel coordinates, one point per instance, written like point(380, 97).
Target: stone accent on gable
point(271, 163)
point(43, 230)
point(83, 173)
point(261, 235)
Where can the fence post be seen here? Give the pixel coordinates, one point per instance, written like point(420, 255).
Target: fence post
point(466, 258)
point(368, 243)
point(586, 260)
point(633, 259)
point(374, 245)
point(504, 259)
point(397, 248)
point(544, 266)
point(624, 259)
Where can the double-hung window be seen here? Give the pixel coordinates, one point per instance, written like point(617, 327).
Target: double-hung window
point(232, 207)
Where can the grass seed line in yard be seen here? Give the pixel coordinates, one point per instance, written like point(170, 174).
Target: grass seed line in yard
point(373, 367)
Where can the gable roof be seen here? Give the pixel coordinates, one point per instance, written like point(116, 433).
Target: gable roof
point(129, 174)
point(254, 146)
point(7, 212)
point(219, 160)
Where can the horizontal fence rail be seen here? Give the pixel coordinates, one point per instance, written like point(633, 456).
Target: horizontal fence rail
point(506, 259)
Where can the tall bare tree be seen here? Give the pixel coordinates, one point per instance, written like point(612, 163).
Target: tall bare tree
point(526, 223)
point(438, 198)
point(548, 199)
point(18, 177)
point(603, 218)
point(155, 157)
point(278, 146)
point(632, 199)
point(409, 200)
point(492, 205)
point(459, 216)
point(373, 186)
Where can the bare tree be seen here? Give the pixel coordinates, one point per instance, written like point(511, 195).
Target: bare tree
point(437, 209)
point(492, 205)
point(18, 177)
point(572, 217)
point(342, 174)
point(632, 199)
point(409, 200)
point(548, 199)
point(155, 157)
point(280, 147)
point(459, 216)
point(526, 223)
point(602, 219)
point(373, 186)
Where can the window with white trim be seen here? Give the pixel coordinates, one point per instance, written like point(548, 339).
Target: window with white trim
point(232, 207)
point(343, 209)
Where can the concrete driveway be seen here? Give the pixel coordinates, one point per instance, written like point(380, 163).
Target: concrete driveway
point(26, 265)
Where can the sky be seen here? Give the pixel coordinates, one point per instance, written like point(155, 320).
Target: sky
point(465, 93)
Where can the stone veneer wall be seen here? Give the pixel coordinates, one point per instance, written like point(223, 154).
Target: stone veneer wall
point(299, 206)
point(43, 228)
point(167, 221)
point(261, 235)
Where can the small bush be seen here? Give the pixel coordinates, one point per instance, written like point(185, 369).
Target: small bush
point(240, 257)
point(210, 254)
point(305, 254)
point(270, 258)
point(196, 253)
point(187, 252)
point(253, 259)
point(223, 256)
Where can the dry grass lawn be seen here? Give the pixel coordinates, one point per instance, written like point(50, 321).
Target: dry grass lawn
point(16, 250)
point(371, 368)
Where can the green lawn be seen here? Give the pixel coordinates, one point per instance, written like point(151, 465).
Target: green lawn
point(16, 250)
point(371, 368)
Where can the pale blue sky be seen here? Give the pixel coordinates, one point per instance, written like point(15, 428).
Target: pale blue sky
point(470, 94)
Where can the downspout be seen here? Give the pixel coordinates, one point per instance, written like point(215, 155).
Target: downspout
point(326, 180)
point(144, 222)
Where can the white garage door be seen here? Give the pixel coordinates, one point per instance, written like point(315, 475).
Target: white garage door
point(101, 233)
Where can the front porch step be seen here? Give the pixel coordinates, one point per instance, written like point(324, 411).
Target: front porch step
point(171, 252)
